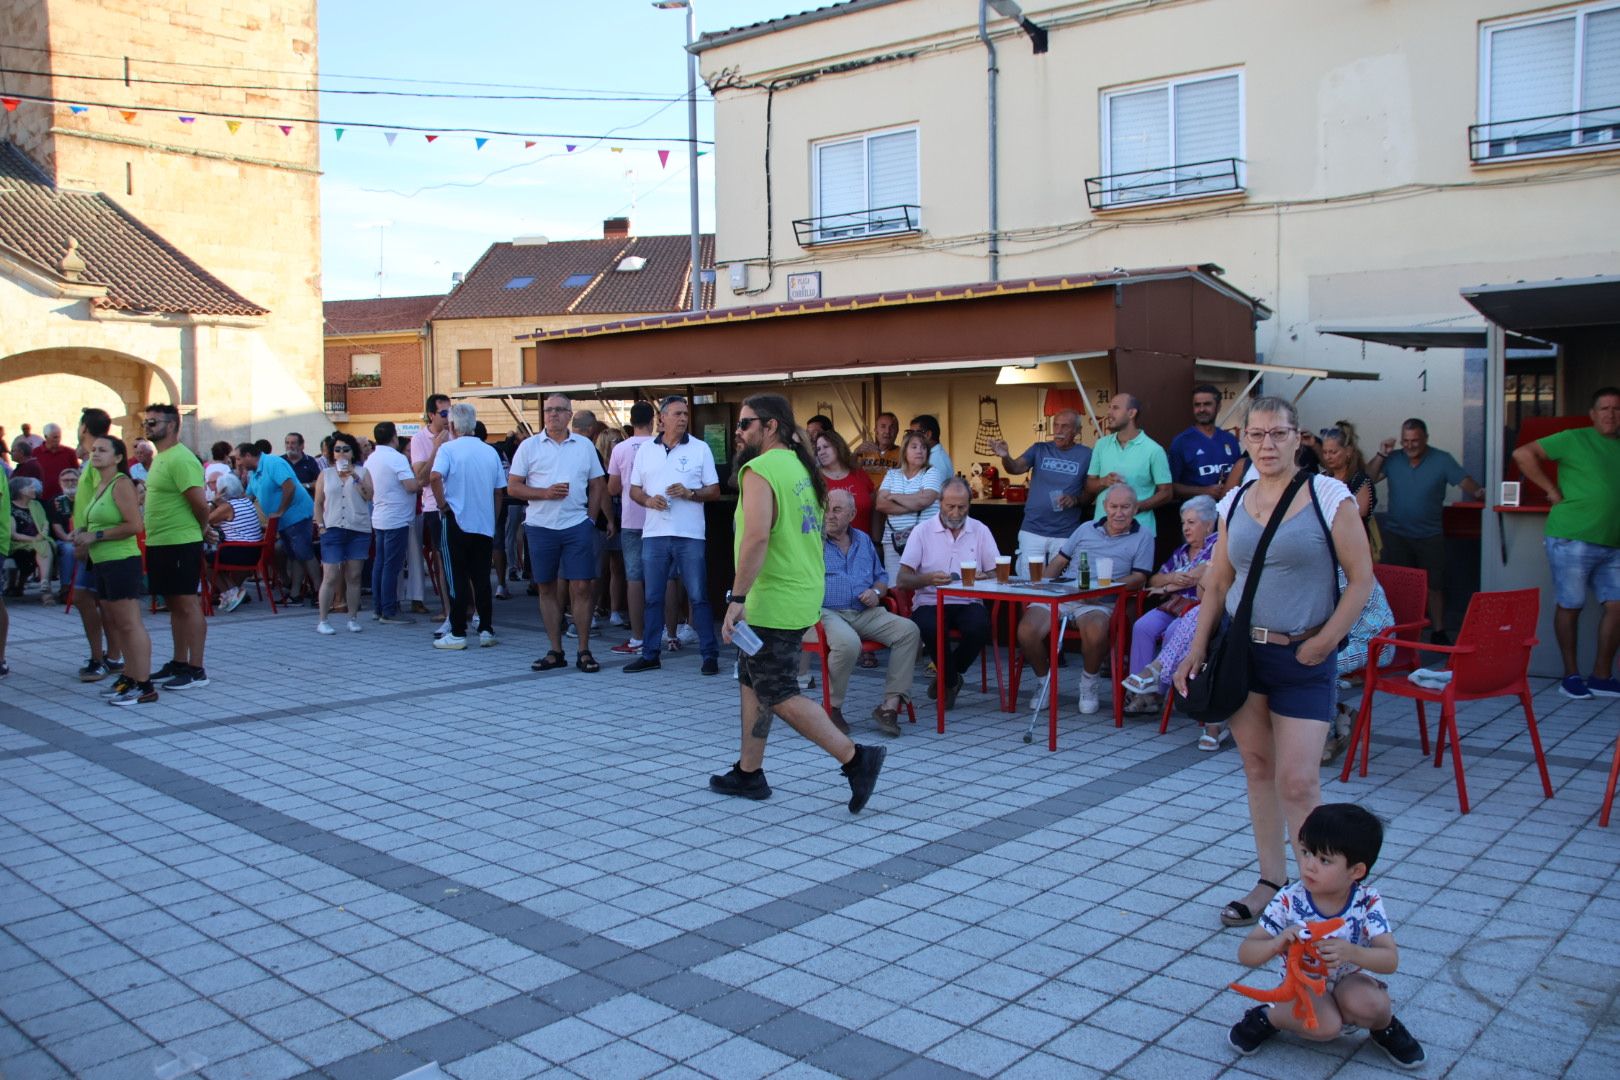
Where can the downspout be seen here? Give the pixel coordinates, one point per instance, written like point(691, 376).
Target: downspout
point(990, 74)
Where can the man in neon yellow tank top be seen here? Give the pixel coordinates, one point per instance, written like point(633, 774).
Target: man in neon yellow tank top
point(777, 592)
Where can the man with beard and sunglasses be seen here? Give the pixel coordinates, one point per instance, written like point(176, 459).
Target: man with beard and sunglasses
point(777, 593)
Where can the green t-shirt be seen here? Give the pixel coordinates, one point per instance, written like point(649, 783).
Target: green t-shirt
point(1142, 462)
point(101, 513)
point(1589, 477)
point(5, 518)
point(787, 594)
point(169, 519)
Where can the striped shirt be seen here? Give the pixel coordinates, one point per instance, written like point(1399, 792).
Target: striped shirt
point(244, 527)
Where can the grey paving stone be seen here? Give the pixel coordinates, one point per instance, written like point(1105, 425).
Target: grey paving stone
point(565, 1040)
point(740, 1058)
point(857, 1056)
point(499, 1063)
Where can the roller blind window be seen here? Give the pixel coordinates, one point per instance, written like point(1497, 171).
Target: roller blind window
point(1552, 85)
point(475, 367)
point(859, 181)
point(1176, 139)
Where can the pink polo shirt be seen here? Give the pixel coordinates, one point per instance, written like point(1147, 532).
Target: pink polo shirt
point(932, 547)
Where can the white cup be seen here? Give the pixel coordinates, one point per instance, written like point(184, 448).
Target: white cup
point(1103, 570)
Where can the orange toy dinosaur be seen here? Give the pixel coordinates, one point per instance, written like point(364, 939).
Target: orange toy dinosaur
point(1303, 970)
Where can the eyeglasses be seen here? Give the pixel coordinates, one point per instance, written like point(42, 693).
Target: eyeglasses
point(159, 422)
point(342, 450)
point(1276, 436)
point(557, 409)
point(746, 422)
point(444, 413)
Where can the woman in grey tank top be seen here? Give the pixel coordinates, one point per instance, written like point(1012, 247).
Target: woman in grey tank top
point(1299, 618)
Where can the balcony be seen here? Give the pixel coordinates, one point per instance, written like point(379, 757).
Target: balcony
point(858, 225)
point(1192, 180)
point(1557, 133)
point(337, 400)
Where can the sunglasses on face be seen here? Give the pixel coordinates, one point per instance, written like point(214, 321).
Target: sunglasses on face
point(746, 422)
point(445, 413)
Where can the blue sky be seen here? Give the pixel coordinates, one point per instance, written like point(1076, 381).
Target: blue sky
point(420, 211)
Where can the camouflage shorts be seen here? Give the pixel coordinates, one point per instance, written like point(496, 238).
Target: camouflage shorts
point(773, 672)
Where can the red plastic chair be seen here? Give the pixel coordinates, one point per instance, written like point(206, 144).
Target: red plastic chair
point(820, 648)
point(899, 602)
point(1407, 590)
point(263, 573)
point(1608, 795)
point(1491, 659)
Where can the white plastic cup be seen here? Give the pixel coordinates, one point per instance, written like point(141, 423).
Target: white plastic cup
point(743, 636)
point(1103, 568)
point(1057, 499)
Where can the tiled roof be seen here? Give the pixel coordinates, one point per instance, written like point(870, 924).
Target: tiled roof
point(660, 285)
point(784, 22)
point(142, 271)
point(381, 315)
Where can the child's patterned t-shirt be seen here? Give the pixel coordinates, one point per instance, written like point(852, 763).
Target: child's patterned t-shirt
point(1363, 916)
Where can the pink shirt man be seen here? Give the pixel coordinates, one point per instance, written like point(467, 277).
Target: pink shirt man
point(932, 547)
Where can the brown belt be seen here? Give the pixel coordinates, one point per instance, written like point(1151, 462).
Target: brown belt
point(1261, 636)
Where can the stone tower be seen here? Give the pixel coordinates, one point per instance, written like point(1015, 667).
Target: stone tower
point(228, 189)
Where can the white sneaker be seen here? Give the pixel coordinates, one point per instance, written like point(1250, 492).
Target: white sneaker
point(617, 619)
point(475, 622)
point(1038, 700)
point(450, 641)
point(1090, 692)
point(354, 626)
point(486, 639)
point(685, 634)
point(324, 627)
point(571, 632)
point(444, 629)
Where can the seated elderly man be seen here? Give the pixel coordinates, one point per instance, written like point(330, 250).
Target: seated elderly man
point(853, 610)
point(1118, 537)
point(934, 555)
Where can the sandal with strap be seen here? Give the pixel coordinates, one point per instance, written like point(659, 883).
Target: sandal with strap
point(586, 662)
point(1236, 913)
point(550, 662)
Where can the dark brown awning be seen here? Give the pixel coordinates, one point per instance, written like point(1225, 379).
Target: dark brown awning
point(1550, 309)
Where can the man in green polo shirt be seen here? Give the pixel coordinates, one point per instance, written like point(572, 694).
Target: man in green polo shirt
point(176, 516)
point(1127, 456)
point(1583, 536)
point(777, 593)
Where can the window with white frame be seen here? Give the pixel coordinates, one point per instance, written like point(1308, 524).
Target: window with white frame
point(365, 369)
point(1549, 84)
point(1171, 140)
point(863, 186)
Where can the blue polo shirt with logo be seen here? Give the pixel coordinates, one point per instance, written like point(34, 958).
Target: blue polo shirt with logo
point(1200, 460)
point(1054, 472)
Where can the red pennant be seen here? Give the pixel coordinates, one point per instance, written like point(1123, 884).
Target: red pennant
point(663, 158)
point(10, 103)
point(430, 138)
point(527, 144)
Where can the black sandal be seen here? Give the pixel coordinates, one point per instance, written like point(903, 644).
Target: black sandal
point(1236, 913)
point(586, 662)
point(550, 662)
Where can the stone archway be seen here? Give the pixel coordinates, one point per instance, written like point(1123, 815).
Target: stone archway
point(135, 382)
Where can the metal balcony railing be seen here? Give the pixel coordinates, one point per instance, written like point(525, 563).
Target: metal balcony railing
point(1589, 129)
point(858, 224)
point(337, 397)
point(1170, 182)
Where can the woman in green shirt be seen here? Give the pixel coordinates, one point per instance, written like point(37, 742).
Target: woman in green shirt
point(112, 521)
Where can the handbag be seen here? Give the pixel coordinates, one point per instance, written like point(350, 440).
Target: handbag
point(1222, 684)
point(898, 538)
point(1178, 606)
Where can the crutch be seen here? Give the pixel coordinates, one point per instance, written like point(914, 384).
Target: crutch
point(1048, 686)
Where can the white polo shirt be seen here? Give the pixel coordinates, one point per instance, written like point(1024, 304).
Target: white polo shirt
point(689, 462)
point(392, 507)
point(540, 462)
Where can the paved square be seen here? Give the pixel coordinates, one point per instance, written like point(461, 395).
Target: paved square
point(351, 857)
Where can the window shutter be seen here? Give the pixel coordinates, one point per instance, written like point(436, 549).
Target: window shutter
point(840, 184)
point(1206, 130)
point(1532, 74)
point(475, 367)
point(1600, 77)
point(531, 366)
point(1138, 140)
point(892, 172)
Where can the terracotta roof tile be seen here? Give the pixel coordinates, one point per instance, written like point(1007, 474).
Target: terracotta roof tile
point(142, 271)
point(496, 285)
point(381, 315)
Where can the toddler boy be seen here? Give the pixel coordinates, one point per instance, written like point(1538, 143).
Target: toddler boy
point(1338, 844)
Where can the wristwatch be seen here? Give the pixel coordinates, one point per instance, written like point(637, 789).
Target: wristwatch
point(101, 534)
point(736, 598)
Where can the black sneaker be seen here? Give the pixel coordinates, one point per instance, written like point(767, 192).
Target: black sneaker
point(5, 669)
point(135, 695)
point(168, 671)
point(745, 785)
point(1255, 1028)
point(711, 666)
point(119, 685)
point(94, 670)
point(643, 663)
point(114, 667)
point(1398, 1043)
point(192, 678)
point(862, 771)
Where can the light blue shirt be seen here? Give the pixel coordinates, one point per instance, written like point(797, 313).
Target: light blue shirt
point(940, 461)
point(264, 484)
point(470, 471)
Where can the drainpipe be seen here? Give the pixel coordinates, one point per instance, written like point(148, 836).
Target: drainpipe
point(990, 75)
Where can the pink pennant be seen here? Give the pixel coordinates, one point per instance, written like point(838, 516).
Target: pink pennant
point(286, 129)
point(663, 159)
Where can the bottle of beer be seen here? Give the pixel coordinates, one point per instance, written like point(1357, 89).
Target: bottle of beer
point(1085, 571)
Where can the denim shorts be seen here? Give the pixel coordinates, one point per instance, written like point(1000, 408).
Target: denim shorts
point(299, 539)
point(84, 576)
point(1309, 693)
point(344, 545)
point(567, 553)
point(630, 544)
point(1578, 565)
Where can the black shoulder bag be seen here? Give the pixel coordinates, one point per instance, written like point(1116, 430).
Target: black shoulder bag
point(1222, 684)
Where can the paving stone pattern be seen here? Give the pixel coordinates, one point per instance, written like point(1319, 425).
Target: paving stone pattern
point(356, 857)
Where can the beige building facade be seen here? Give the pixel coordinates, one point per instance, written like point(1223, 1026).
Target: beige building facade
point(239, 204)
point(1351, 164)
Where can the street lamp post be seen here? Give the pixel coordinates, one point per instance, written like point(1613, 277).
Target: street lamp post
point(691, 139)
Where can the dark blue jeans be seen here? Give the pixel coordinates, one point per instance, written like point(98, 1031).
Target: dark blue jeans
point(658, 554)
point(386, 563)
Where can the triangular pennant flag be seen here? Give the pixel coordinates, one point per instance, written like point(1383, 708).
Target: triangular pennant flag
point(128, 115)
point(700, 153)
point(78, 110)
point(617, 149)
point(430, 138)
point(234, 125)
point(569, 147)
point(339, 134)
point(187, 119)
point(480, 142)
point(10, 103)
point(663, 159)
point(528, 144)
point(390, 136)
point(286, 129)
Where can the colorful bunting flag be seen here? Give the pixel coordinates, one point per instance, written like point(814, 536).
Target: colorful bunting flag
point(339, 132)
point(78, 110)
point(430, 138)
point(10, 103)
point(617, 149)
point(286, 129)
point(187, 119)
point(528, 144)
point(480, 142)
point(128, 115)
point(663, 159)
point(569, 147)
point(234, 125)
point(700, 153)
point(390, 136)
